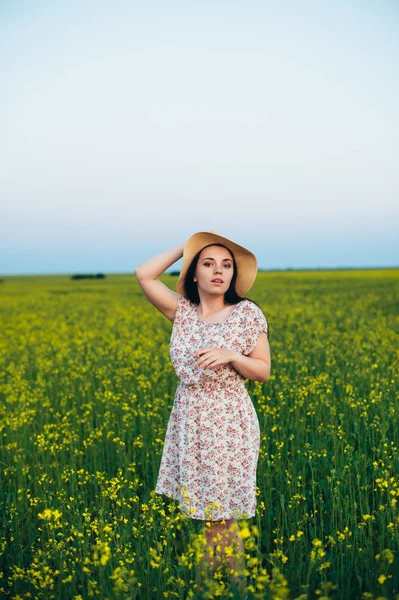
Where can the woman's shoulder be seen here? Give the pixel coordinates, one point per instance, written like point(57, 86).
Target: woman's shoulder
point(254, 322)
point(250, 307)
point(253, 313)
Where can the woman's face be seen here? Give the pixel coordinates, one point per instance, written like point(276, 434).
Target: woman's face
point(214, 263)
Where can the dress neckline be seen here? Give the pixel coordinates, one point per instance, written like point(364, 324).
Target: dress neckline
point(219, 322)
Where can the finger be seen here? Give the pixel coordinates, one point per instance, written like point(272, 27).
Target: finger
point(204, 357)
point(209, 363)
point(213, 364)
point(201, 363)
point(201, 351)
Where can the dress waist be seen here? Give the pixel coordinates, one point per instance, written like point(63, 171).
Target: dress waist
point(211, 384)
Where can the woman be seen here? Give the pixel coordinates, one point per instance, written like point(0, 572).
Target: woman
point(219, 339)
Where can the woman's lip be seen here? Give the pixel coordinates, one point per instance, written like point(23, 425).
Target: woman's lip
point(217, 282)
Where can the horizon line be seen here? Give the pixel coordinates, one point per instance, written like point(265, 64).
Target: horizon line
point(176, 272)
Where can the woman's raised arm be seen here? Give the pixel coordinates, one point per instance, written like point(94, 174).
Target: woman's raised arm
point(164, 299)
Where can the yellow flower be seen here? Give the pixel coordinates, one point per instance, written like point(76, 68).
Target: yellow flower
point(244, 533)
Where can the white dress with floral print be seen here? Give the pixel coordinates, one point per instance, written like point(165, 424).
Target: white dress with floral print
point(212, 440)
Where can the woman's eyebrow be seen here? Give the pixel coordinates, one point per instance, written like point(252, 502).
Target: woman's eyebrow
point(210, 258)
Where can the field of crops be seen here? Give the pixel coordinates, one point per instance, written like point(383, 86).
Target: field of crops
point(87, 387)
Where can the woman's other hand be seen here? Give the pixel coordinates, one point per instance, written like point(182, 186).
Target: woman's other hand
point(212, 357)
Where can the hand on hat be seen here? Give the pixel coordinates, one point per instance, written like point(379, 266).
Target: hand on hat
point(212, 357)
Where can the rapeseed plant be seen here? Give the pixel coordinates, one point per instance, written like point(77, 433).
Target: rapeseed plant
point(87, 387)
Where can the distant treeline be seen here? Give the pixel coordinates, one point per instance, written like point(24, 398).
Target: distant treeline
point(298, 269)
point(96, 276)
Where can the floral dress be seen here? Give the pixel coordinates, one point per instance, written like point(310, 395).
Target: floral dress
point(212, 440)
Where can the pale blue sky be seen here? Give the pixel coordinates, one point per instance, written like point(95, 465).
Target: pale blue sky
point(125, 127)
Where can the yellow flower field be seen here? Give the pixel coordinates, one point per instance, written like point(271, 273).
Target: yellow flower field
point(87, 387)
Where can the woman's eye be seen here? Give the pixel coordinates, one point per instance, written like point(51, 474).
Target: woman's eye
point(226, 265)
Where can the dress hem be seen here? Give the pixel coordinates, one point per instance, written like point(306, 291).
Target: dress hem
point(173, 496)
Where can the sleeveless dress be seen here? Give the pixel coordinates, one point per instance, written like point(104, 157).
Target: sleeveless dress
point(212, 440)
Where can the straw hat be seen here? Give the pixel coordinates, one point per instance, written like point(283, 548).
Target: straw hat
point(247, 265)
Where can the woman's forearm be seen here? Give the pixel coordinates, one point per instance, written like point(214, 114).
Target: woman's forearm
point(250, 368)
point(156, 265)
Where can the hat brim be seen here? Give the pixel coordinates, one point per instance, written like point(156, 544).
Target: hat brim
point(247, 265)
